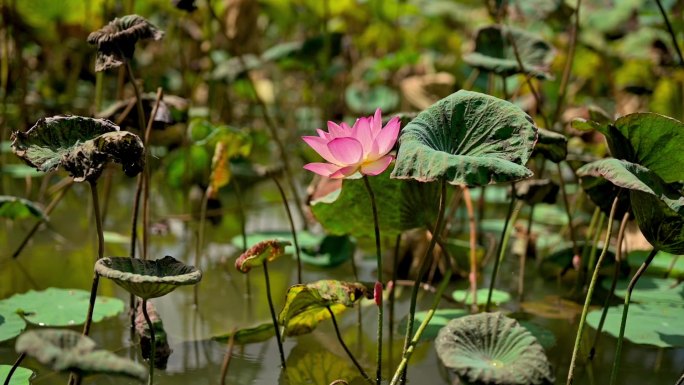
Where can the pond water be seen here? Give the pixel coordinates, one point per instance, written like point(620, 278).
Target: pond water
point(62, 256)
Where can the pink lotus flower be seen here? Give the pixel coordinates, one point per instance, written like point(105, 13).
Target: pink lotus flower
point(362, 148)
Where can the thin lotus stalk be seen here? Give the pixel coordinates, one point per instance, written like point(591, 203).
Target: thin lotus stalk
point(243, 217)
point(346, 349)
point(625, 309)
point(681, 380)
point(107, 192)
point(153, 346)
point(393, 294)
point(504, 87)
point(611, 292)
point(423, 325)
point(472, 277)
point(376, 226)
point(51, 206)
point(14, 368)
point(590, 293)
point(566, 201)
point(500, 251)
point(672, 265)
point(138, 96)
point(673, 36)
point(565, 79)
point(273, 315)
point(146, 184)
point(423, 268)
point(591, 261)
point(100, 254)
point(200, 241)
point(293, 230)
point(226, 358)
point(99, 86)
point(470, 80)
point(523, 255)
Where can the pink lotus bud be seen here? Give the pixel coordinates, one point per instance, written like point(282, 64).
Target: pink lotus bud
point(377, 293)
point(576, 262)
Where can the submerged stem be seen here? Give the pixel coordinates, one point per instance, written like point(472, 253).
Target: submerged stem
point(346, 349)
point(14, 368)
point(292, 227)
point(153, 346)
point(273, 315)
point(226, 359)
point(472, 277)
point(501, 249)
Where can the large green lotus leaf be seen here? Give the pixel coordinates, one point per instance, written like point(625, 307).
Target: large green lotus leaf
point(494, 52)
point(402, 205)
point(551, 145)
point(467, 138)
point(490, 348)
point(148, 279)
point(306, 305)
point(82, 146)
point(651, 290)
point(498, 296)
point(19, 208)
point(656, 324)
point(65, 350)
point(662, 226)
point(307, 365)
point(602, 191)
point(21, 376)
point(60, 307)
point(662, 263)
point(244, 336)
point(11, 324)
point(437, 322)
point(365, 101)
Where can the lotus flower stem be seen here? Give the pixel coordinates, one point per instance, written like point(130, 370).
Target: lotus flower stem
point(625, 309)
point(616, 272)
point(511, 216)
point(472, 277)
point(673, 36)
point(346, 349)
point(571, 227)
point(229, 353)
point(51, 206)
point(423, 268)
point(423, 326)
point(590, 293)
point(14, 368)
point(589, 263)
point(153, 345)
point(292, 227)
point(378, 373)
point(200, 241)
point(393, 294)
point(570, 57)
point(273, 315)
point(138, 96)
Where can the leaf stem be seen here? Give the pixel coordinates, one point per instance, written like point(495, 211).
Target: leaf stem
point(502, 248)
point(393, 294)
point(100, 254)
point(568, 64)
point(293, 230)
point(671, 32)
point(472, 277)
point(153, 346)
point(14, 368)
point(273, 315)
point(571, 227)
point(346, 349)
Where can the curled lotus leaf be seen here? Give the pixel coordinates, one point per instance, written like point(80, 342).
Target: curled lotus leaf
point(145, 278)
point(467, 138)
point(495, 52)
point(551, 145)
point(116, 40)
point(82, 146)
point(66, 351)
point(490, 348)
point(264, 251)
point(307, 305)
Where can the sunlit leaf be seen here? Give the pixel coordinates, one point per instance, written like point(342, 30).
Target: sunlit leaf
point(19, 208)
point(21, 376)
point(498, 296)
point(11, 323)
point(440, 318)
point(244, 336)
point(662, 263)
point(651, 290)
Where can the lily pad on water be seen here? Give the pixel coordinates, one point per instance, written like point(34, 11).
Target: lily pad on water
point(82, 146)
point(490, 348)
point(467, 138)
point(306, 305)
point(494, 52)
point(552, 307)
point(656, 324)
point(317, 365)
point(438, 321)
point(544, 336)
point(498, 296)
point(66, 351)
point(651, 290)
point(244, 336)
point(11, 324)
point(21, 376)
point(660, 265)
point(148, 279)
point(60, 307)
point(19, 208)
point(264, 251)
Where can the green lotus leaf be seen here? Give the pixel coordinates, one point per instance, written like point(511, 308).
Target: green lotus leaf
point(498, 296)
point(148, 279)
point(602, 191)
point(364, 101)
point(82, 146)
point(65, 350)
point(20, 171)
point(264, 251)
point(494, 52)
point(657, 324)
point(21, 376)
point(19, 208)
point(660, 221)
point(544, 336)
point(244, 336)
point(306, 305)
point(116, 40)
point(490, 348)
point(467, 138)
point(307, 364)
point(663, 263)
point(553, 307)
point(551, 145)
point(534, 191)
point(651, 290)
point(11, 324)
point(60, 307)
point(402, 205)
point(437, 322)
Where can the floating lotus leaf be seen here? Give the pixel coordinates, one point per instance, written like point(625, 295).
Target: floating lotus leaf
point(60, 307)
point(663, 263)
point(21, 376)
point(116, 40)
point(82, 146)
point(534, 191)
point(467, 138)
point(306, 305)
point(65, 350)
point(498, 296)
point(552, 307)
point(656, 324)
point(651, 290)
point(494, 52)
point(307, 364)
point(490, 348)
point(19, 208)
point(437, 322)
point(544, 336)
point(148, 279)
point(264, 251)
point(244, 336)
point(11, 324)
